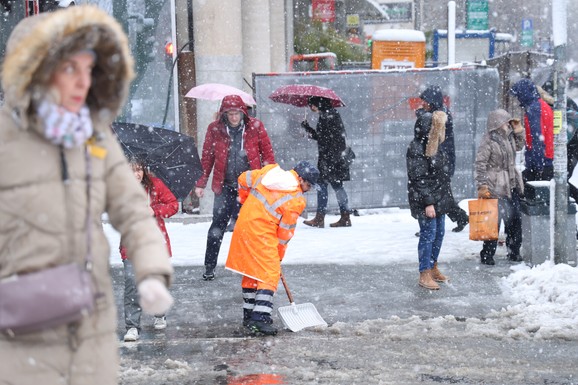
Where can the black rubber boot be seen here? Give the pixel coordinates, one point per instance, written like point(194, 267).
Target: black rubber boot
point(259, 328)
point(488, 261)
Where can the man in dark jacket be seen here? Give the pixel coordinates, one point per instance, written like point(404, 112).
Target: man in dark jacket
point(539, 124)
point(234, 143)
point(434, 101)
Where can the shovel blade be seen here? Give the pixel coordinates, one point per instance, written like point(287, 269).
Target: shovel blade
point(297, 317)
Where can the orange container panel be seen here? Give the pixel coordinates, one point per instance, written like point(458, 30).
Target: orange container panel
point(397, 54)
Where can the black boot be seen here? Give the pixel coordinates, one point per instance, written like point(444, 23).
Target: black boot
point(488, 260)
point(209, 274)
point(259, 328)
point(247, 316)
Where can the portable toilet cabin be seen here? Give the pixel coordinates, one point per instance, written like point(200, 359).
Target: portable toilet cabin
point(397, 48)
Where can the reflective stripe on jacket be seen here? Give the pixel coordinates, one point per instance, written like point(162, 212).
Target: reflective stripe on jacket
point(272, 202)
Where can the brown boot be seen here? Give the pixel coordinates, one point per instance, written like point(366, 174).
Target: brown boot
point(436, 275)
point(318, 221)
point(344, 221)
point(426, 281)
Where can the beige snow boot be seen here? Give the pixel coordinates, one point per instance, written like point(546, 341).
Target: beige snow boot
point(426, 281)
point(436, 275)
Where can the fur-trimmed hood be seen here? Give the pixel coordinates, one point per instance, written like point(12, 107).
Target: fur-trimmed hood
point(38, 43)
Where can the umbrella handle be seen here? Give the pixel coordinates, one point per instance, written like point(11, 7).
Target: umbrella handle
point(286, 288)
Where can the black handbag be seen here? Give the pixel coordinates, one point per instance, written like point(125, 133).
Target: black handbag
point(348, 155)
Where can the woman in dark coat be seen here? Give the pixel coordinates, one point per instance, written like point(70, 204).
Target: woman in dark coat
point(429, 192)
point(334, 170)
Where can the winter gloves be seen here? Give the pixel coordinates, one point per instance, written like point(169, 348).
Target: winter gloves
point(155, 299)
point(484, 192)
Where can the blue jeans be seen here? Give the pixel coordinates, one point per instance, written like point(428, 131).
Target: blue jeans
point(431, 236)
point(224, 206)
point(323, 197)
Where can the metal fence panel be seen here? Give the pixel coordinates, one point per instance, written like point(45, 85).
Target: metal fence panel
point(379, 121)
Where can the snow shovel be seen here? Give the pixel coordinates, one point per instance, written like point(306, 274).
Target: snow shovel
point(297, 317)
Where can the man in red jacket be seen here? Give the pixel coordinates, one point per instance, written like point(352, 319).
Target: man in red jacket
point(234, 143)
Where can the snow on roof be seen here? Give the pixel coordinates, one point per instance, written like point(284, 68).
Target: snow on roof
point(398, 35)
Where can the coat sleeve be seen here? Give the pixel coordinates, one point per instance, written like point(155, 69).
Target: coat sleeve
point(481, 162)
point(418, 176)
point(128, 212)
point(245, 185)
point(164, 203)
point(207, 157)
point(533, 120)
point(265, 147)
point(290, 214)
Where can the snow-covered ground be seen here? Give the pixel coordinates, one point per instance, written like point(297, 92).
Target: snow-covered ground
point(544, 299)
point(530, 341)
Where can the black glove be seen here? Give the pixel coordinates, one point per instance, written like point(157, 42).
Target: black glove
point(305, 125)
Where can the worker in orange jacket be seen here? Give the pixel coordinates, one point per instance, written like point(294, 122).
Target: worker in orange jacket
point(272, 200)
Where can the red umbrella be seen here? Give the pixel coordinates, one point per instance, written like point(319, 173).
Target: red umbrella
point(298, 95)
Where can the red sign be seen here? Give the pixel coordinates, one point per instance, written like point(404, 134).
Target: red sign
point(324, 10)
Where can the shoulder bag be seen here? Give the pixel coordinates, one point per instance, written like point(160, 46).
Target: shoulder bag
point(50, 297)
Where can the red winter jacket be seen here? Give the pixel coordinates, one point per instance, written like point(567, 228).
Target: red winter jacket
point(256, 143)
point(164, 204)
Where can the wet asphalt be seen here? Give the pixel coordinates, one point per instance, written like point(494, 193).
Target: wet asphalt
point(205, 342)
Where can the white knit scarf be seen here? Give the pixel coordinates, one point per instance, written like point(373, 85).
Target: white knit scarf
point(62, 127)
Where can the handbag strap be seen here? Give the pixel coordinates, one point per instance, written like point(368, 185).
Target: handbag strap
point(88, 222)
point(88, 264)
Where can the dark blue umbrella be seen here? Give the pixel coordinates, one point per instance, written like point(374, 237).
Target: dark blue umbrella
point(170, 155)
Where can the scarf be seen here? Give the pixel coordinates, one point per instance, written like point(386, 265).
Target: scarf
point(65, 128)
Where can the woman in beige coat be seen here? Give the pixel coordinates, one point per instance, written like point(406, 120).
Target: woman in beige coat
point(497, 177)
point(65, 77)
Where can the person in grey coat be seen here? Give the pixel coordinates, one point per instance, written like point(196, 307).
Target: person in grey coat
point(497, 177)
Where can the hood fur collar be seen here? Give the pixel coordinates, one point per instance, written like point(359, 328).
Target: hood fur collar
point(38, 43)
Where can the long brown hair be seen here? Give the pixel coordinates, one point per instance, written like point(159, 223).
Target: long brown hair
point(146, 181)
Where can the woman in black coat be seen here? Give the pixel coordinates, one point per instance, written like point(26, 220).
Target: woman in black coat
point(429, 192)
point(330, 137)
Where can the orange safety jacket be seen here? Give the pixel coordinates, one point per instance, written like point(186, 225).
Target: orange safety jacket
point(272, 201)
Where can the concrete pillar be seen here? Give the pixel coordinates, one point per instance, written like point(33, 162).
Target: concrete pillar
point(280, 50)
point(256, 38)
point(218, 59)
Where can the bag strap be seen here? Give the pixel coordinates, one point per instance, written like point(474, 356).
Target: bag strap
point(66, 181)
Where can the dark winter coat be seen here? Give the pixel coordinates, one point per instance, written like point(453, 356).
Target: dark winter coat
point(434, 97)
point(330, 136)
point(496, 157)
point(164, 205)
point(539, 124)
point(256, 143)
point(427, 167)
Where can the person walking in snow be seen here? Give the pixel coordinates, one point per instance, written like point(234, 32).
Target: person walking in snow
point(66, 75)
point(429, 192)
point(434, 101)
point(497, 177)
point(334, 170)
point(162, 204)
point(234, 143)
point(272, 200)
point(539, 125)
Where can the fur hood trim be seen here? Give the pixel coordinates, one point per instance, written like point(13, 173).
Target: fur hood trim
point(437, 133)
point(39, 43)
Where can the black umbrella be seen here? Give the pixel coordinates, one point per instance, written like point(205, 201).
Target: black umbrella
point(170, 155)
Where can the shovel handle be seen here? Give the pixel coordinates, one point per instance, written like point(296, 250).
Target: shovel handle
point(286, 288)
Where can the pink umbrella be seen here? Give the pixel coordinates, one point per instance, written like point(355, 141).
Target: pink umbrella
point(216, 91)
point(299, 94)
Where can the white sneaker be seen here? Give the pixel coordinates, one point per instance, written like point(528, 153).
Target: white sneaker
point(131, 335)
point(160, 323)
